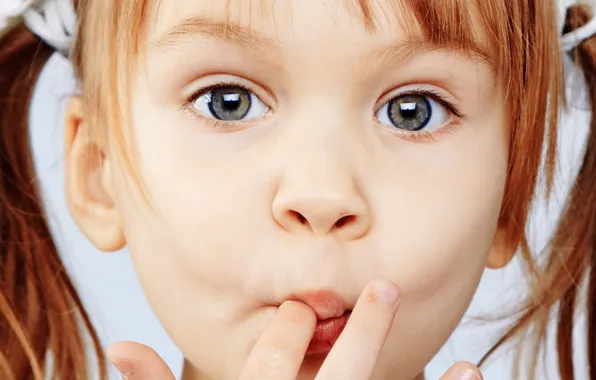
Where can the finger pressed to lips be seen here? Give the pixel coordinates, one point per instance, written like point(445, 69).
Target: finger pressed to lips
point(356, 352)
point(279, 352)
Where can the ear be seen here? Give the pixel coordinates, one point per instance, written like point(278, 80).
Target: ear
point(502, 251)
point(89, 183)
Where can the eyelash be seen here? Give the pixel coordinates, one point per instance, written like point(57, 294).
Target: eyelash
point(421, 136)
point(214, 123)
point(459, 117)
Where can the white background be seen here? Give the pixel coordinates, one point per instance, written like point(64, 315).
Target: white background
point(114, 298)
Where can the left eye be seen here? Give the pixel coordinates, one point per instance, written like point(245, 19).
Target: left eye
point(413, 113)
point(230, 103)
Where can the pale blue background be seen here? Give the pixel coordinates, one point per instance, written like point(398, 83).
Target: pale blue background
point(112, 294)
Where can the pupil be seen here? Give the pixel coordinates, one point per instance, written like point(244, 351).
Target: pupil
point(230, 103)
point(410, 112)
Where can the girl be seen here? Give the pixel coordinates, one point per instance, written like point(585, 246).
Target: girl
point(264, 161)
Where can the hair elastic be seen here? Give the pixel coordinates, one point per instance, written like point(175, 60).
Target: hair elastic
point(53, 21)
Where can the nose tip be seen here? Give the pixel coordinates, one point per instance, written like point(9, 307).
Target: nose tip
point(322, 215)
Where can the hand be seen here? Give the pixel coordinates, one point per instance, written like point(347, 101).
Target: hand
point(135, 361)
point(279, 352)
point(463, 371)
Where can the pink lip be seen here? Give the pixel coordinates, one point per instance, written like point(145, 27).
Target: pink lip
point(332, 316)
point(326, 334)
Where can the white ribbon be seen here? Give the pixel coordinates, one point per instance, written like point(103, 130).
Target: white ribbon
point(53, 21)
point(11, 9)
point(571, 40)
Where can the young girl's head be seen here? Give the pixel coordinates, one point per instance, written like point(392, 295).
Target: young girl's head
point(252, 152)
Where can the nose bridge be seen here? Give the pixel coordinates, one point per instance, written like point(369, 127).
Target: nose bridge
point(323, 168)
point(319, 191)
point(321, 159)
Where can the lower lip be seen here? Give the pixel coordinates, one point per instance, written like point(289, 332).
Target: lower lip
point(326, 334)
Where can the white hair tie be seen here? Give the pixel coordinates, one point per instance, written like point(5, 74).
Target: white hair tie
point(10, 9)
point(53, 21)
point(571, 40)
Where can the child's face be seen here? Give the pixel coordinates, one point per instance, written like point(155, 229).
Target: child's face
point(336, 160)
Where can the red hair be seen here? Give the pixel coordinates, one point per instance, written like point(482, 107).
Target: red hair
point(524, 47)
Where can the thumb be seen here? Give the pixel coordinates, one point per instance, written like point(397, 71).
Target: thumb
point(138, 362)
point(463, 371)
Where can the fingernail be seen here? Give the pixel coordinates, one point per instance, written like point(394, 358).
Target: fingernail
point(123, 366)
point(466, 374)
point(385, 291)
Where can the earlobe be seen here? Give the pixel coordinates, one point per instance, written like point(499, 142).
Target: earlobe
point(89, 183)
point(502, 251)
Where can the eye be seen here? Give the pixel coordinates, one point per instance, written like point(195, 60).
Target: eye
point(414, 112)
point(229, 103)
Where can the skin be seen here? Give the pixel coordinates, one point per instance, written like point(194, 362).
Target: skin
point(279, 352)
point(316, 192)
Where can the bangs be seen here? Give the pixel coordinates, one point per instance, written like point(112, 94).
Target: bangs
point(460, 25)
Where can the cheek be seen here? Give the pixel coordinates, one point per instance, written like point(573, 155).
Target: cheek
point(441, 206)
point(442, 226)
point(192, 252)
point(202, 196)
point(203, 226)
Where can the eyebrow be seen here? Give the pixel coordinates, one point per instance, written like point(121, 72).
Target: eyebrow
point(248, 38)
point(227, 31)
point(404, 50)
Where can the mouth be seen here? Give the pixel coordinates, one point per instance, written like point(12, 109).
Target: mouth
point(332, 313)
point(326, 334)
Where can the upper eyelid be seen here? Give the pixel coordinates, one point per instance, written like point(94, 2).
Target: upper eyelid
point(205, 89)
point(413, 88)
point(265, 95)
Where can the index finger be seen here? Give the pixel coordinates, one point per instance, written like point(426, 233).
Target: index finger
point(355, 354)
point(280, 350)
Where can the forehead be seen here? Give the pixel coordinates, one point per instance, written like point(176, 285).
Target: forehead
point(281, 19)
point(454, 25)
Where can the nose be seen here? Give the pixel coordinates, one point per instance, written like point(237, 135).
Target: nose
point(321, 202)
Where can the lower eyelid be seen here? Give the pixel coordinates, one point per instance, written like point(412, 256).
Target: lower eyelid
point(451, 126)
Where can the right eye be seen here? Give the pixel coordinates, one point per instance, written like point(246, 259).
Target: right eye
point(229, 103)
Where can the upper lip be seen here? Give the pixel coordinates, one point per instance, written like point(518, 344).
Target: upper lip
point(326, 303)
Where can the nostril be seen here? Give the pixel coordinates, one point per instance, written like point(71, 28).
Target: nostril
point(345, 220)
point(301, 219)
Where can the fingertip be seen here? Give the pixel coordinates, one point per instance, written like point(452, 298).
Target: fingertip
point(118, 350)
point(119, 354)
point(463, 371)
point(297, 312)
point(467, 366)
point(386, 291)
point(135, 360)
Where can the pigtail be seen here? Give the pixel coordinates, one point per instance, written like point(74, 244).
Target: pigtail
point(572, 251)
point(41, 314)
point(573, 258)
